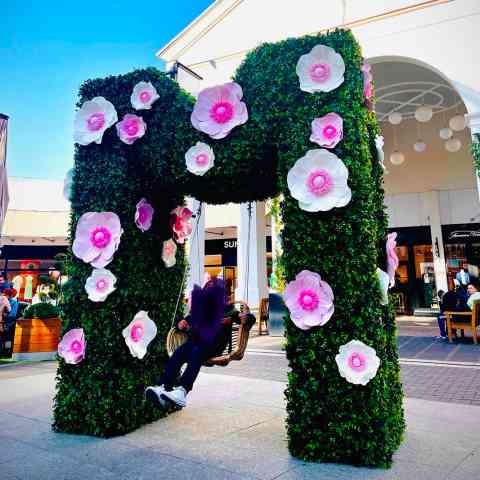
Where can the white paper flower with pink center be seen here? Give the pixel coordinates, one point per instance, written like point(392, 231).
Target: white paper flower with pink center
point(319, 181)
point(169, 252)
point(100, 284)
point(384, 281)
point(181, 223)
point(309, 300)
point(144, 95)
point(144, 215)
point(97, 238)
point(327, 131)
point(321, 70)
point(357, 363)
point(139, 333)
point(72, 346)
point(219, 109)
point(392, 257)
point(199, 158)
point(91, 121)
point(131, 128)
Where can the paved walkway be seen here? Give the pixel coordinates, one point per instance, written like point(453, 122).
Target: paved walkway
point(232, 429)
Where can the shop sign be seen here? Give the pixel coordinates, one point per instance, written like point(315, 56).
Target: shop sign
point(459, 234)
point(229, 244)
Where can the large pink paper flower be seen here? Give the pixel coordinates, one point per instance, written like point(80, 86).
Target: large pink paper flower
point(327, 131)
point(72, 346)
point(309, 299)
point(219, 109)
point(357, 363)
point(139, 333)
point(100, 284)
point(131, 128)
point(392, 257)
point(181, 222)
point(169, 251)
point(97, 238)
point(143, 96)
point(321, 70)
point(91, 121)
point(319, 181)
point(367, 85)
point(144, 215)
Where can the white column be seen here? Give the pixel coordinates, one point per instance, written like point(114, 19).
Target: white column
point(196, 246)
point(252, 255)
point(473, 121)
point(432, 207)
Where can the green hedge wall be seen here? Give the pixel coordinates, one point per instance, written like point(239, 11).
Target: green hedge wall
point(329, 419)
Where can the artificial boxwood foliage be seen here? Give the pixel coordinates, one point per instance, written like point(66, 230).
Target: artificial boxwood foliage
point(328, 418)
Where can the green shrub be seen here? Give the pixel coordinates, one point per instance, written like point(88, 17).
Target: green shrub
point(328, 419)
point(41, 310)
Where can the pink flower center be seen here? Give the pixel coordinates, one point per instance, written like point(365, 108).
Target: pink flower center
point(100, 237)
point(130, 127)
point(202, 159)
point(76, 346)
point(329, 132)
point(320, 72)
point(357, 362)
point(145, 96)
point(143, 215)
point(96, 121)
point(168, 251)
point(136, 333)
point(101, 285)
point(319, 182)
point(308, 300)
point(221, 112)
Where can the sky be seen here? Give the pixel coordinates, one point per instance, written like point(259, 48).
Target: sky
point(48, 48)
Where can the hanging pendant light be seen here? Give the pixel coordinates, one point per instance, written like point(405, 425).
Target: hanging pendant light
point(397, 158)
point(395, 118)
point(453, 145)
point(457, 123)
point(420, 146)
point(445, 133)
point(423, 114)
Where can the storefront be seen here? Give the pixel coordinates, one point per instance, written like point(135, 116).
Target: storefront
point(414, 280)
point(221, 260)
point(24, 267)
point(462, 252)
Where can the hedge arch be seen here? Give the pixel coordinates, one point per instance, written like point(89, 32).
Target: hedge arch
point(329, 419)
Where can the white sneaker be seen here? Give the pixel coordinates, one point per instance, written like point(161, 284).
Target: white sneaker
point(178, 396)
point(154, 394)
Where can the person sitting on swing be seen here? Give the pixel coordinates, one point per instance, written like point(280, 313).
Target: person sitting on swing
point(209, 333)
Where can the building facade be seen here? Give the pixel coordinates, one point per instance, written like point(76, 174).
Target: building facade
point(423, 57)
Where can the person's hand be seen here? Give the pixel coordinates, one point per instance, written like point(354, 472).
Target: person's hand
point(183, 324)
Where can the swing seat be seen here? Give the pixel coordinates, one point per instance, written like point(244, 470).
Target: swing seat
point(235, 348)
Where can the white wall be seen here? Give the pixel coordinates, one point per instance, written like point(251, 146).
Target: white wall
point(410, 209)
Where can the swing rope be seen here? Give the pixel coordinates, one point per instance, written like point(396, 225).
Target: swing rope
point(247, 269)
point(194, 237)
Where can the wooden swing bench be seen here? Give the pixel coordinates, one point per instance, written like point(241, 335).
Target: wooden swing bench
point(235, 348)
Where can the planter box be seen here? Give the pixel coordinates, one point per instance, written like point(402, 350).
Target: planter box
point(36, 339)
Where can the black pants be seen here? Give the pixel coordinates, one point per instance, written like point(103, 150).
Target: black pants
point(194, 355)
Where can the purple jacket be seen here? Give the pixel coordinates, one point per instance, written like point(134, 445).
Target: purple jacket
point(207, 312)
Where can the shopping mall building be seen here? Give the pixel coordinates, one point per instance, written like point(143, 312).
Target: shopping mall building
point(427, 80)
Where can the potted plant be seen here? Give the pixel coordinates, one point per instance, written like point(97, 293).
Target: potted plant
point(37, 333)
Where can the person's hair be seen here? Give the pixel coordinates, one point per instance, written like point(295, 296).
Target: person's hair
point(440, 294)
point(474, 283)
point(9, 292)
